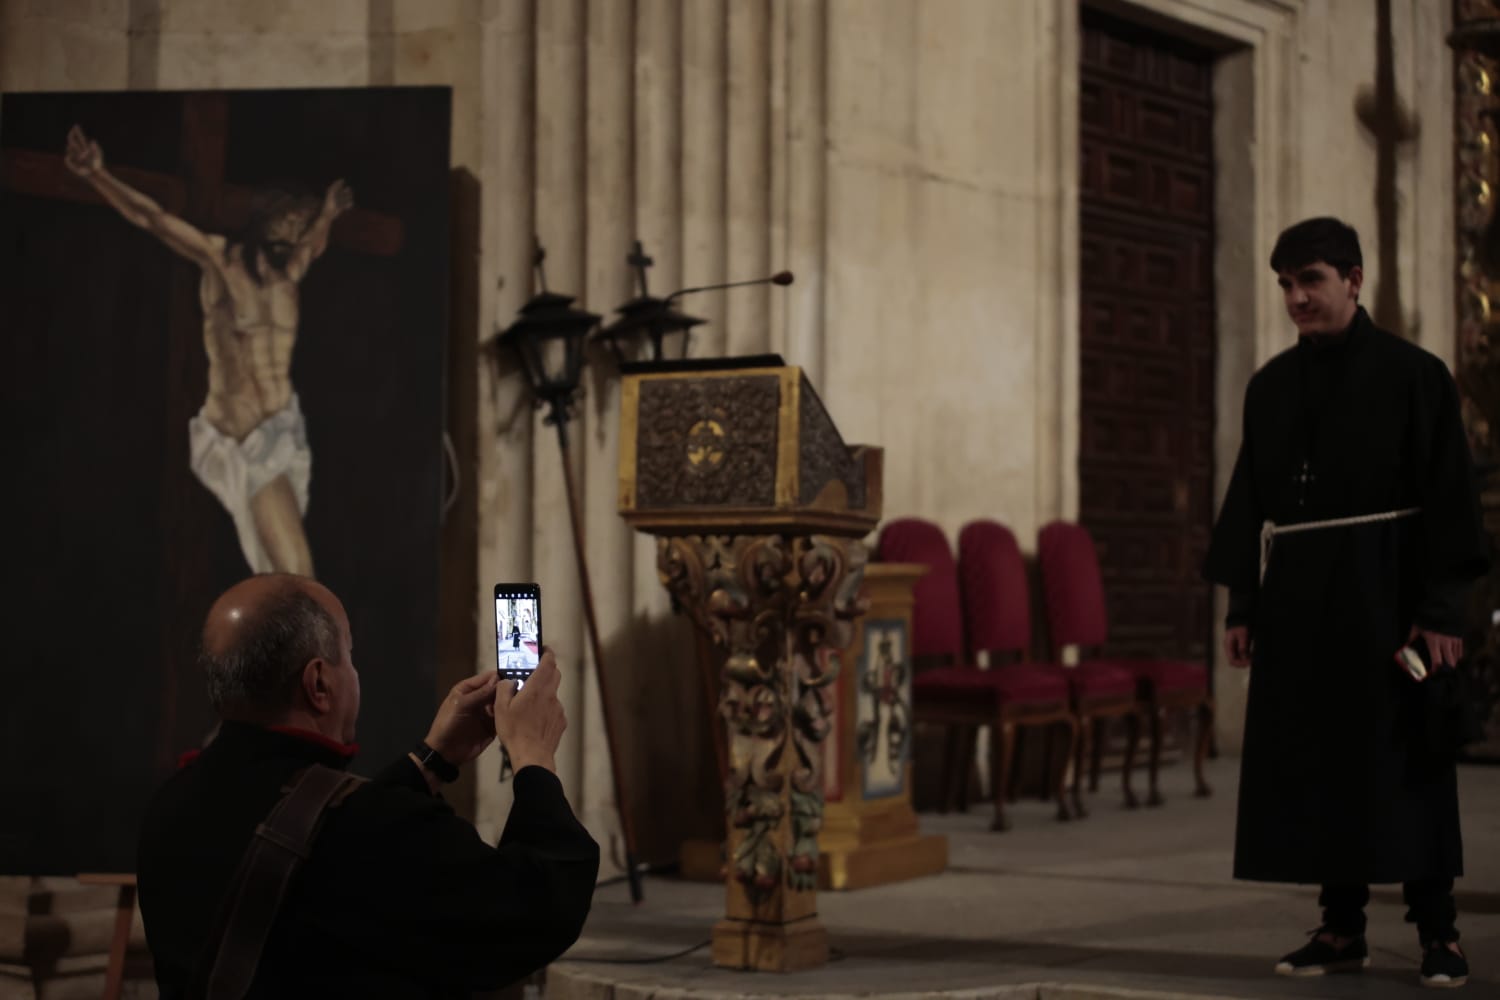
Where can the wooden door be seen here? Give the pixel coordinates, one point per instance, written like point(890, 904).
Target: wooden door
point(1147, 355)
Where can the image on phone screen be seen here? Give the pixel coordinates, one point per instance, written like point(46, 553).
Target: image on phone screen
point(518, 630)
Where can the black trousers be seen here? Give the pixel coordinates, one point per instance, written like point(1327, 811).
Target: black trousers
point(1429, 905)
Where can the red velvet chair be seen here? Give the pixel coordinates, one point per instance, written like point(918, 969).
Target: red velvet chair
point(997, 618)
point(1076, 617)
point(947, 688)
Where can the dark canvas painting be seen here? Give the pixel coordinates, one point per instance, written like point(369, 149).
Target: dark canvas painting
point(224, 319)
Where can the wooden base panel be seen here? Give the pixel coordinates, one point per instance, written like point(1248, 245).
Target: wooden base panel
point(791, 947)
point(701, 861)
point(879, 863)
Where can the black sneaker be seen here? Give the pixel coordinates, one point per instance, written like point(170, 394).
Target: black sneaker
point(1319, 958)
point(1443, 969)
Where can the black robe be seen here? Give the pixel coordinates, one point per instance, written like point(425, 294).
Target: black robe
point(1337, 781)
point(400, 897)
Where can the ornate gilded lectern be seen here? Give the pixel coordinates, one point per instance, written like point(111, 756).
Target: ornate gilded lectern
point(758, 506)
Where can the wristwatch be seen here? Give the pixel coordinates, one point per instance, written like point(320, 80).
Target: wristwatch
point(434, 762)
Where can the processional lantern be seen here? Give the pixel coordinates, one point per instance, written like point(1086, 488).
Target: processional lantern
point(652, 329)
point(649, 328)
point(549, 338)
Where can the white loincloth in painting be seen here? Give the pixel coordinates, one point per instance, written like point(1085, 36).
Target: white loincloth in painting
point(234, 471)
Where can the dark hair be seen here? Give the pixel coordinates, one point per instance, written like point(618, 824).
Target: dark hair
point(270, 203)
point(266, 206)
point(1311, 240)
point(253, 678)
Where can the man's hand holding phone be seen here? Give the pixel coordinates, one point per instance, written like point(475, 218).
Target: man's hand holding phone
point(464, 724)
point(463, 727)
point(531, 722)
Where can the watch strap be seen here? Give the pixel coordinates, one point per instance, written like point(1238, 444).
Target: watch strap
point(435, 762)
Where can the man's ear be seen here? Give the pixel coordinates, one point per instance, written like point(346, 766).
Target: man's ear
point(315, 685)
point(1356, 279)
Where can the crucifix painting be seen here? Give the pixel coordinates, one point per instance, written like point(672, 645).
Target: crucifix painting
point(249, 441)
point(225, 327)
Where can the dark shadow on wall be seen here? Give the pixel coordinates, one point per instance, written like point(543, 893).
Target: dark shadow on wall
point(666, 735)
point(458, 583)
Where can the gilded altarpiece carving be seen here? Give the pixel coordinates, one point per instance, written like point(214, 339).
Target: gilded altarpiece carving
point(1476, 43)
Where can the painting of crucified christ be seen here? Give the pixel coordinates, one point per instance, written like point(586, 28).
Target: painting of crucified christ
point(249, 441)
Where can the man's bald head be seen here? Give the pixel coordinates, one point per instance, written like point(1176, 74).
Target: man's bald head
point(258, 637)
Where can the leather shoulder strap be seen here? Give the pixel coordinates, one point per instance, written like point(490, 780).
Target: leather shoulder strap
point(280, 845)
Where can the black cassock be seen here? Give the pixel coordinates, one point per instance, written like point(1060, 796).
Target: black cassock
point(1337, 784)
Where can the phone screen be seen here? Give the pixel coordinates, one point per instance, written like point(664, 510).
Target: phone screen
point(518, 630)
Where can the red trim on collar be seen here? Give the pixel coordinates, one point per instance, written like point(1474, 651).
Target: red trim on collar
point(187, 757)
point(342, 749)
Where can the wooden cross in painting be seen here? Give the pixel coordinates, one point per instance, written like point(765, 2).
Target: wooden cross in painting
point(252, 344)
point(203, 196)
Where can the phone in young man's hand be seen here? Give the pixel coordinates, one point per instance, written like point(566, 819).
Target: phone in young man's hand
point(518, 630)
point(1415, 658)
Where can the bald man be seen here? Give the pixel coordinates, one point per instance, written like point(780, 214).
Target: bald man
point(400, 897)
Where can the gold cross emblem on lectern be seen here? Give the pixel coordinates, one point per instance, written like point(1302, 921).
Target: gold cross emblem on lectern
point(704, 445)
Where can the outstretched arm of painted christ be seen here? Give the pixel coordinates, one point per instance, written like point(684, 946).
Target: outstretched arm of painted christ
point(336, 201)
point(85, 159)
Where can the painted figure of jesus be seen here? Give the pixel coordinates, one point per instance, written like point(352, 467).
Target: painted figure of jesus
point(248, 443)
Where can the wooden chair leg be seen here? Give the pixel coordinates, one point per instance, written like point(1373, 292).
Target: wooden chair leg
point(1020, 750)
point(1132, 738)
point(1004, 738)
point(950, 758)
point(1064, 762)
point(1205, 736)
point(1049, 748)
point(1097, 758)
point(1158, 718)
point(966, 765)
point(1080, 756)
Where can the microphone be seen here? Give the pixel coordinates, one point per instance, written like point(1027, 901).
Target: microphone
point(779, 278)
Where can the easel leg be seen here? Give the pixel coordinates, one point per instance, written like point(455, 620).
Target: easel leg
point(119, 945)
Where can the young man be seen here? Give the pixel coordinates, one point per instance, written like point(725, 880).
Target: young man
point(399, 897)
point(1350, 526)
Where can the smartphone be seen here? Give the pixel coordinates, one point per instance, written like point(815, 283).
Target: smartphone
point(518, 630)
point(1415, 659)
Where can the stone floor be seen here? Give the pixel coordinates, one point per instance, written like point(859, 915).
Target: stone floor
point(1123, 904)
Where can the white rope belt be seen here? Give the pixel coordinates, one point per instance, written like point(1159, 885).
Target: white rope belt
point(1269, 530)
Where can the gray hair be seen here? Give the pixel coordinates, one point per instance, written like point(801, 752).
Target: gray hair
point(253, 678)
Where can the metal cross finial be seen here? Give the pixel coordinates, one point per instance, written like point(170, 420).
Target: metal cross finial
point(640, 262)
point(537, 257)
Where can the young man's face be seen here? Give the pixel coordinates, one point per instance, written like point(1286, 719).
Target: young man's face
point(1318, 299)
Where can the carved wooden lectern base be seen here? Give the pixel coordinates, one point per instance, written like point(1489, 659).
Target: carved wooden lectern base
point(757, 505)
point(781, 607)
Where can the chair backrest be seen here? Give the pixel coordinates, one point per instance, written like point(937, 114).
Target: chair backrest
point(937, 617)
point(1073, 588)
point(997, 608)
